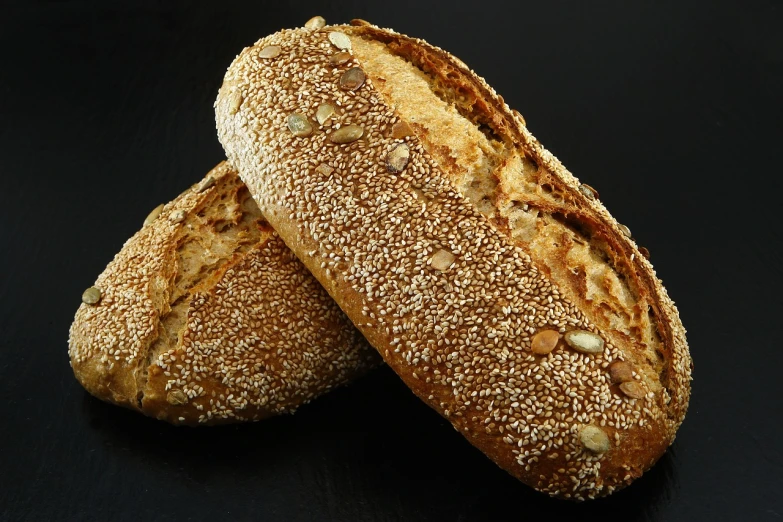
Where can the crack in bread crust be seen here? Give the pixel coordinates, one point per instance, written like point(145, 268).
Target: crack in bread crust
point(492, 169)
point(630, 302)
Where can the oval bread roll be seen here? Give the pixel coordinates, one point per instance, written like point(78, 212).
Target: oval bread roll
point(495, 284)
point(205, 317)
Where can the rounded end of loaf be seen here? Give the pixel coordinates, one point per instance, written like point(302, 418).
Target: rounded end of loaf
point(569, 422)
point(114, 329)
point(112, 382)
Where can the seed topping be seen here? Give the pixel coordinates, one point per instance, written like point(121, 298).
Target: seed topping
point(299, 125)
point(324, 169)
point(352, 79)
point(442, 260)
point(633, 390)
point(588, 191)
point(340, 40)
point(178, 216)
point(620, 371)
point(519, 115)
point(152, 216)
point(398, 158)
point(205, 184)
point(91, 296)
point(594, 439)
point(324, 113)
point(544, 342)
point(347, 134)
point(176, 397)
point(235, 102)
point(315, 23)
point(270, 51)
point(584, 341)
point(339, 58)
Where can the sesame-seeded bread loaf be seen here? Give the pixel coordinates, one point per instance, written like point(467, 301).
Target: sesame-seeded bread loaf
point(205, 317)
point(495, 284)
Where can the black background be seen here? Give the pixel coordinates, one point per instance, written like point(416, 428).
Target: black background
point(672, 110)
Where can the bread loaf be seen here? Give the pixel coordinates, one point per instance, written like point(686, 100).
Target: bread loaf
point(491, 280)
point(205, 317)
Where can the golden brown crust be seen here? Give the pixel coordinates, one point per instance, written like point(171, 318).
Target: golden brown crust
point(445, 268)
point(206, 317)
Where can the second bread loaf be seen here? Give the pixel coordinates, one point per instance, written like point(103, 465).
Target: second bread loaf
point(205, 317)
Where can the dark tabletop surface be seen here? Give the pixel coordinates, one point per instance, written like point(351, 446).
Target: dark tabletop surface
point(672, 110)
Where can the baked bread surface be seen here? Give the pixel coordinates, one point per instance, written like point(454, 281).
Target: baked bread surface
point(453, 253)
point(205, 317)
